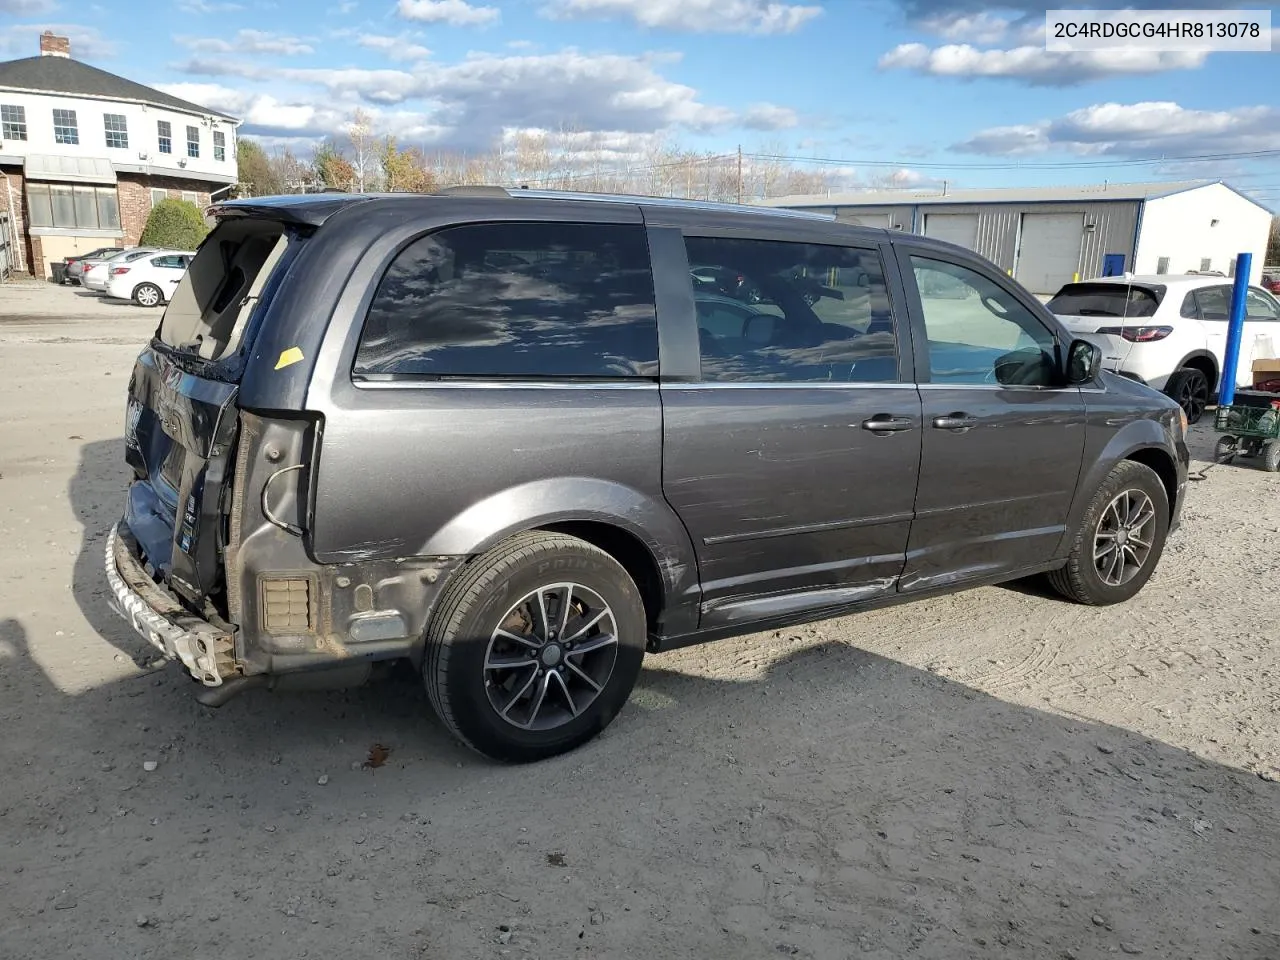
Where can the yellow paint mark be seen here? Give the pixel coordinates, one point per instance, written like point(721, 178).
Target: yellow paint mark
point(288, 358)
point(1075, 277)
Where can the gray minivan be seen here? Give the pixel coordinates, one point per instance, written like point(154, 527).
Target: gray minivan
point(510, 438)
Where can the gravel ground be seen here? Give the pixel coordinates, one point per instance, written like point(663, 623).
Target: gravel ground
point(993, 774)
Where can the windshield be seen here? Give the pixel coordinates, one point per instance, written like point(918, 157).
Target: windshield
point(1105, 300)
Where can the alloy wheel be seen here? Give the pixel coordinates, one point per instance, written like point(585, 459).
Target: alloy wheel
point(1124, 537)
point(1193, 395)
point(550, 657)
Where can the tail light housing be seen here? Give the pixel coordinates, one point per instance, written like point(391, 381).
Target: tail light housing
point(116, 271)
point(1137, 334)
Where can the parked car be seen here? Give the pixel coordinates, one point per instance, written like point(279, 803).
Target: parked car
point(1271, 282)
point(362, 433)
point(76, 264)
point(98, 272)
point(148, 281)
point(1169, 332)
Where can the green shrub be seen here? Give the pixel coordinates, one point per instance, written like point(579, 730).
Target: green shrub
point(174, 225)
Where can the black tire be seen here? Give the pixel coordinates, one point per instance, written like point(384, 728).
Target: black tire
point(1080, 580)
point(1271, 457)
point(1225, 450)
point(1191, 389)
point(144, 293)
point(479, 600)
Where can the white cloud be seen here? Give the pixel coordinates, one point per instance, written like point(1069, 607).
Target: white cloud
point(1146, 129)
point(27, 8)
point(471, 103)
point(769, 116)
point(204, 6)
point(983, 27)
point(347, 6)
point(23, 40)
point(696, 16)
point(250, 42)
point(1035, 65)
point(399, 48)
point(457, 13)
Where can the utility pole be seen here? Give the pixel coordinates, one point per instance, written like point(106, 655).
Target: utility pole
point(739, 173)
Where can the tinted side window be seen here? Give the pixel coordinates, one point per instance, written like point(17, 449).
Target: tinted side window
point(1258, 306)
point(515, 300)
point(978, 331)
point(775, 311)
point(1189, 305)
point(1215, 303)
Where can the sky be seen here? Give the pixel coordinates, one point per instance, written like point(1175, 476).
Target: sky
point(902, 92)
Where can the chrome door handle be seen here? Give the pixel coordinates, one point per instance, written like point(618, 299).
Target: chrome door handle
point(955, 421)
point(883, 423)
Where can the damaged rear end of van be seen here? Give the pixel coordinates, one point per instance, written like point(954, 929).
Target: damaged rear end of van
point(210, 561)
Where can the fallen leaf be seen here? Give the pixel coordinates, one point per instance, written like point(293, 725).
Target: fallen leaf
point(556, 860)
point(377, 756)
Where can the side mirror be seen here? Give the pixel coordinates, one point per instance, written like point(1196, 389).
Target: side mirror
point(757, 329)
point(1084, 360)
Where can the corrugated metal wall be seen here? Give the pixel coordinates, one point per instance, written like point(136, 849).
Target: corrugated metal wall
point(1115, 225)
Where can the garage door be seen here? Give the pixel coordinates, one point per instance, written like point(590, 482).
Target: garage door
point(1049, 253)
point(961, 228)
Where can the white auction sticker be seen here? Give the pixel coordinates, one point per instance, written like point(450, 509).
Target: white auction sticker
point(1158, 30)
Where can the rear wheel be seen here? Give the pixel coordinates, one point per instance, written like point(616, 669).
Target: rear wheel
point(147, 295)
point(1190, 388)
point(1120, 539)
point(535, 647)
point(1271, 457)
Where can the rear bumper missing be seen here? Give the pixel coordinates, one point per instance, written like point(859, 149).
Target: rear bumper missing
point(160, 619)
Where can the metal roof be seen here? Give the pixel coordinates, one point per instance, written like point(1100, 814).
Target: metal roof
point(1088, 194)
point(63, 75)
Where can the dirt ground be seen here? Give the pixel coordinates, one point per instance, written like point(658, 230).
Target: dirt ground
point(994, 774)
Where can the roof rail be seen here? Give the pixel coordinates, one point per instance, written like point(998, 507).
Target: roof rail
point(479, 190)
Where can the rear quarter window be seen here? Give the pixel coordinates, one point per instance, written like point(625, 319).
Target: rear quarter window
point(515, 300)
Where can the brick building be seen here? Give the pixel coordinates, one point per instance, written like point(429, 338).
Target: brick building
point(85, 154)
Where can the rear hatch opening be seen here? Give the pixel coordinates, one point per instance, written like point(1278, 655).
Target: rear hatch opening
point(182, 421)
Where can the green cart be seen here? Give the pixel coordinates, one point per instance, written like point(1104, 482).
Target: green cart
point(1250, 430)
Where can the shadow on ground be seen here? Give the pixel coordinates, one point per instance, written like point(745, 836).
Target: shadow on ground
point(839, 805)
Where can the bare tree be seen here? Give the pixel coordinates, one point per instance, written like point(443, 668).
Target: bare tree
point(360, 132)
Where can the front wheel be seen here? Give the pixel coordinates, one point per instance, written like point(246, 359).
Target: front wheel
point(1225, 450)
point(147, 295)
point(1120, 539)
point(534, 647)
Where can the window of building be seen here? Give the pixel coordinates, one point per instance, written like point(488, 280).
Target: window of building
point(164, 135)
point(73, 208)
point(529, 300)
point(117, 129)
point(219, 145)
point(978, 331)
point(65, 129)
point(191, 197)
point(158, 194)
point(1162, 265)
point(193, 141)
point(772, 311)
point(13, 122)
point(1206, 264)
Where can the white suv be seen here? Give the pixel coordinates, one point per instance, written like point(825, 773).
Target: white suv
point(148, 281)
point(1170, 332)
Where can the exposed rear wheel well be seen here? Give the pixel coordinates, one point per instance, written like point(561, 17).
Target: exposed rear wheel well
point(1162, 464)
point(1206, 365)
point(629, 551)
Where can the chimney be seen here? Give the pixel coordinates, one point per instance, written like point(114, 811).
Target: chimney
point(51, 46)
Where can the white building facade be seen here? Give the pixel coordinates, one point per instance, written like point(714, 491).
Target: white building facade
point(86, 154)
